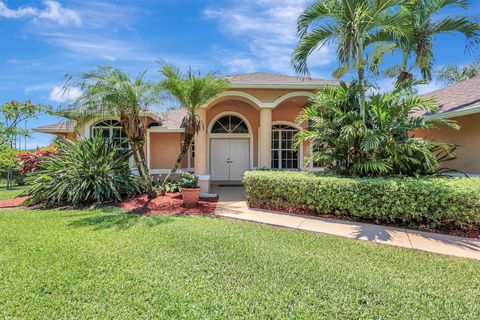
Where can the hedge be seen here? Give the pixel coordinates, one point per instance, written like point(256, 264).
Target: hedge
point(432, 201)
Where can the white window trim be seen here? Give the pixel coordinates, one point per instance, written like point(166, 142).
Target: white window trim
point(300, 151)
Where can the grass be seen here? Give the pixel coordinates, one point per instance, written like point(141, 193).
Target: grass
point(106, 264)
point(10, 194)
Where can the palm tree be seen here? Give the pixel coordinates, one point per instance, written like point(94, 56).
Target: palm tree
point(191, 91)
point(452, 74)
point(422, 25)
point(354, 26)
point(381, 145)
point(109, 91)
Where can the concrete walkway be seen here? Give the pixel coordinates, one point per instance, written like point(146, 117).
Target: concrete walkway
point(232, 204)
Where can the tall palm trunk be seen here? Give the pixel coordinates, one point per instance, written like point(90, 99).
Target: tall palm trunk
point(135, 131)
point(140, 163)
point(404, 74)
point(186, 145)
point(361, 79)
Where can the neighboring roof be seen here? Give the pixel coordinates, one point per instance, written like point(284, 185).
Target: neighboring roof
point(65, 126)
point(77, 111)
point(173, 119)
point(459, 99)
point(270, 80)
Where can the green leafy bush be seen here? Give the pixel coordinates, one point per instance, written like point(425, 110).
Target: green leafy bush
point(381, 144)
point(189, 180)
point(8, 159)
point(84, 172)
point(433, 201)
point(172, 186)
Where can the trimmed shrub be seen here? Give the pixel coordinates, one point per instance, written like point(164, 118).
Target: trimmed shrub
point(84, 172)
point(432, 201)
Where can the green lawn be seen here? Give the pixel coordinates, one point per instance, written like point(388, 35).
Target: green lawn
point(106, 264)
point(10, 194)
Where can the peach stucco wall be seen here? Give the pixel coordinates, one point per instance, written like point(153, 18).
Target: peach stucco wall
point(164, 150)
point(269, 95)
point(248, 111)
point(467, 139)
point(289, 110)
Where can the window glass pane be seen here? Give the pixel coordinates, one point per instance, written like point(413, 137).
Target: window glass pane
point(283, 143)
point(229, 124)
point(111, 130)
point(103, 132)
point(275, 160)
point(117, 133)
point(241, 128)
point(218, 128)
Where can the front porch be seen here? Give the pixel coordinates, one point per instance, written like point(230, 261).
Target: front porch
point(242, 132)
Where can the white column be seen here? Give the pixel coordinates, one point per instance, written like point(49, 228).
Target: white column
point(201, 144)
point(265, 138)
point(201, 153)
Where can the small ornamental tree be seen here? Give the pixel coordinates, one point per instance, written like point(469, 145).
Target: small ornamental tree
point(13, 113)
point(191, 91)
point(30, 161)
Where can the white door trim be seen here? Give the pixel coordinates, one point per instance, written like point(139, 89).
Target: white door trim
point(211, 136)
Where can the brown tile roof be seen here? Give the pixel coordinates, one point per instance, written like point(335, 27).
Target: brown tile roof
point(258, 78)
point(60, 126)
point(457, 97)
point(173, 119)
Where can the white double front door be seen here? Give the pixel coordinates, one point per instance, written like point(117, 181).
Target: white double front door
point(229, 158)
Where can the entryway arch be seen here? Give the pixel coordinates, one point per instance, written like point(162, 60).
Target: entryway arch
point(230, 146)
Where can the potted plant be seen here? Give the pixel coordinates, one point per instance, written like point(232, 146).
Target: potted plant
point(190, 189)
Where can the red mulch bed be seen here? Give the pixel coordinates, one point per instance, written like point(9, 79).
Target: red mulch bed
point(169, 204)
point(12, 203)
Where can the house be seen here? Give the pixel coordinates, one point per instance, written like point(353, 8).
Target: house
point(461, 103)
point(252, 125)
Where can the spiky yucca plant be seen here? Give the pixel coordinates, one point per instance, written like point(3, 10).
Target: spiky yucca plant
point(85, 172)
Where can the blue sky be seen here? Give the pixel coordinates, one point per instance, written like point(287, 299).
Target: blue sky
point(41, 41)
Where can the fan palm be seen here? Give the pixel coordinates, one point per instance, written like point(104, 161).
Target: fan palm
point(423, 25)
point(453, 74)
point(109, 91)
point(353, 26)
point(343, 142)
point(191, 91)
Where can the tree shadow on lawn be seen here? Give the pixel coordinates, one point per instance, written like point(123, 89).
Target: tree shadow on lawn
point(109, 218)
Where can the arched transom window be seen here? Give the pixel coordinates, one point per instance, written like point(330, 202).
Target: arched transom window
point(284, 153)
point(229, 124)
point(112, 130)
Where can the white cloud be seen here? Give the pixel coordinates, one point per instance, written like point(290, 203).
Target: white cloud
point(18, 13)
point(98, 47)
point(58, 94)
point(53, 11)
point(266, 30)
